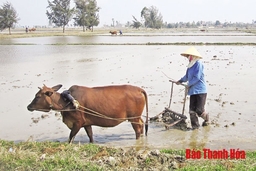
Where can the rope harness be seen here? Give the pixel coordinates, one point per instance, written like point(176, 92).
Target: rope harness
point(97, 114)
point(86, 110)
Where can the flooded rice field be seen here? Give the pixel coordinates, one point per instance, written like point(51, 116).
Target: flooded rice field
point(230, 75)
point(134, 39)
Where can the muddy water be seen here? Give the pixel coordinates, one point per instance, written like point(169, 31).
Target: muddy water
point(230, 74)
point(128, 38)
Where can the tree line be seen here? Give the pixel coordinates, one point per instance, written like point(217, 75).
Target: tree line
point(152, 18)
point(86, 15)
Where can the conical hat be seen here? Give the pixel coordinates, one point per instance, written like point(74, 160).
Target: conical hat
point(191, 51)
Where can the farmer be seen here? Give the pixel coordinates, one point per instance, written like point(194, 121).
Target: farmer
point(196, 87)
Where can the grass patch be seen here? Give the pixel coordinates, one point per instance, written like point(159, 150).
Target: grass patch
point(62, 156)
point(46, 156)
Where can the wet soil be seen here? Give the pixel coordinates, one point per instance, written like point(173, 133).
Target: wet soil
point(229, 72)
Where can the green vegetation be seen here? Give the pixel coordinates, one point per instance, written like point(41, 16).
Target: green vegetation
point(62, 156)
point(60, 12)
point(135, 23)
point(46, 156)
point(153, 19)
point(87, 14)
point(8, 16)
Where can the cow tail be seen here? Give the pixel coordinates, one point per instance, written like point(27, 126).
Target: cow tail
point(146, 122)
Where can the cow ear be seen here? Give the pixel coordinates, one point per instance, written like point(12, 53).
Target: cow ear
point(57, 87)
point(48, 93)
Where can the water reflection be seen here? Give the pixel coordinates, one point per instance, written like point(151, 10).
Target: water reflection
point(199, 138)
point(142, 39)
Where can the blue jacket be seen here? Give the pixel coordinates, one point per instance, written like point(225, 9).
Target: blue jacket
point(195, 78)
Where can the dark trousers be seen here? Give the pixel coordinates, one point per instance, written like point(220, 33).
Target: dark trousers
point(197, 103)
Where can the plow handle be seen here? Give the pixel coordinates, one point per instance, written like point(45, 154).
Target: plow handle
point(173, 81)
point(186, 92)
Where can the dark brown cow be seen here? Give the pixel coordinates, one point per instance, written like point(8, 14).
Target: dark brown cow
point(113, 32)
point(101, 106)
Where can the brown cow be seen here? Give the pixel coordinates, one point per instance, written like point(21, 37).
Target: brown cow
point(113, 32)
point(33, 29)
point(101, 106)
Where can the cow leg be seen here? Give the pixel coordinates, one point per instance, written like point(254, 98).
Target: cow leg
point(136, 124)
point(73, 133)
point(88, 130)
point(142, 126)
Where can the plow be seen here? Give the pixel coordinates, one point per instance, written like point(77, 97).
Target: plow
point(171, 118)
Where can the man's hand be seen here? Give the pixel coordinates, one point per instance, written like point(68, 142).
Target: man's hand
point(178, 83)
